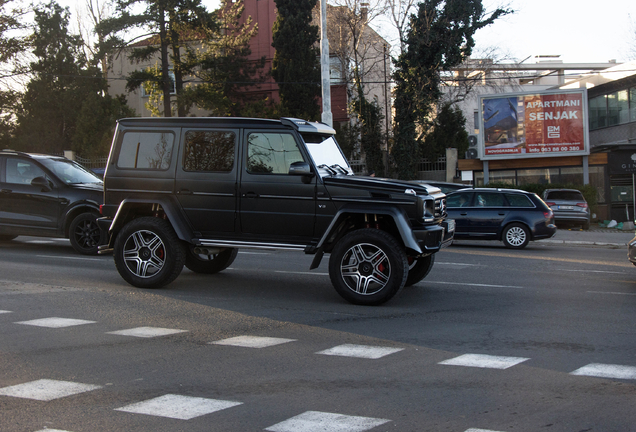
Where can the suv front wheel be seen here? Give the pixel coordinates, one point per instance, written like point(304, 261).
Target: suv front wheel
point(368, 267)
point(148, 253)
point(84, 234)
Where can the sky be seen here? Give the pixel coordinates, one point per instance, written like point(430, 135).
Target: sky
point(590, 31)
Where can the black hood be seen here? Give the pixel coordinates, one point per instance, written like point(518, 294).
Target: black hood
point(380, 184)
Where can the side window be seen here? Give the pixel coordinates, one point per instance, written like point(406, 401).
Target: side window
point(20, 171)
point(461, 199)
point(146, 150)
point(489, 199)
point(518, 200)
point(211, 151)
point(271, 153)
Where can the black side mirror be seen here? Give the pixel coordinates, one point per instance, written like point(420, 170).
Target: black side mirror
point(41, 182)
point(300, 168)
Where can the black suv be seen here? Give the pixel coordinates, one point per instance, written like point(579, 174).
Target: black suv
point(50, 196)
point(192, 191)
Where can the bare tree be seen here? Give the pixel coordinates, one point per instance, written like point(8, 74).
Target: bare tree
point(399, 13)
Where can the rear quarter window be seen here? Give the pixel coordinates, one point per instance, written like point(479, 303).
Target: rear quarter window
point(518, 200)
point(146, 150)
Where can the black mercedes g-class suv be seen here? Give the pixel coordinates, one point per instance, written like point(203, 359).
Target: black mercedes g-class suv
point(192, 191)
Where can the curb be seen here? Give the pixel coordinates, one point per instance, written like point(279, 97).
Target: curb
point(581, 243)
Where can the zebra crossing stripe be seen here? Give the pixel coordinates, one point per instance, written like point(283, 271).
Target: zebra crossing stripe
point(56, 322)
point(360, 351)
point(607, 371)
point(178, 407)
point(146, 332)
point(46, 390)
point(252, 341)
point(311, 421)
point(484, 361)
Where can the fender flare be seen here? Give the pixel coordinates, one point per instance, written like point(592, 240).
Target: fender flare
point(181, 228)
point(400, 219)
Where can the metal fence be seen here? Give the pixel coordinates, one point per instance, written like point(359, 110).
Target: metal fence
point(92, 163)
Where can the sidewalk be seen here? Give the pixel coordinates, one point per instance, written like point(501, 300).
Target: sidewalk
point(595, 236)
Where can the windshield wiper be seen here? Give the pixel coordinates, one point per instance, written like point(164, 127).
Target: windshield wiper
point(328, 168)
point(344, 170)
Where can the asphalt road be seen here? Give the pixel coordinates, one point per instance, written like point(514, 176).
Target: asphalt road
point(492, 340)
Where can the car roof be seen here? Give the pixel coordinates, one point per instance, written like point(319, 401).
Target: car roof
point(30, 155)
point(485, 189)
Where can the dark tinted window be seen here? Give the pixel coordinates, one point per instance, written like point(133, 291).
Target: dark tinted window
point(271, 153)
point(489, 199)
point(21, 171)
point(565, 195)
point(146, 150)
point(209, 151)
point(518, 200)
point(460, 199)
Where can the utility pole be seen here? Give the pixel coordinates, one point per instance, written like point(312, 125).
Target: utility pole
point(327, 117)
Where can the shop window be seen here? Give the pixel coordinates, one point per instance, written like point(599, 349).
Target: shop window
point(623, 106)
point(597, 179)
point(539, 176)
point(572, 175)
point(503, 177)
point(632, 104)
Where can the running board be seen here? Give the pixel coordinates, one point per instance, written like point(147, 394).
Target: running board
point(251, 245)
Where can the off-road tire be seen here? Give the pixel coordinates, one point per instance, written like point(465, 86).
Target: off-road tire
point(210, 264)
point(148, 253)
point(368, 267)
point(419, 268)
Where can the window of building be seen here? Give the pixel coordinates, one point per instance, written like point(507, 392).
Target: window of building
point(538, 176)
point(503, 177)
point(173, 86)
point(572, 175)
point(598, 112)
point(146, 150)
point(597, 179)
point(211, 151)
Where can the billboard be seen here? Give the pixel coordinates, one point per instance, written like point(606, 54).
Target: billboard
point(538, 124)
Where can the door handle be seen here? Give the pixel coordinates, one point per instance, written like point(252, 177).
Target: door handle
point(464, 214)
point(250, 195)
point(6, 191)
point(185, 192)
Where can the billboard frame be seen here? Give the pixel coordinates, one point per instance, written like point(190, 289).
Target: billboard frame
point(481, 144)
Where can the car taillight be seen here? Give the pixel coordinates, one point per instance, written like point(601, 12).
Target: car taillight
point(550, 204)
point(101, 209)
point(584, 205)
point(548, 214)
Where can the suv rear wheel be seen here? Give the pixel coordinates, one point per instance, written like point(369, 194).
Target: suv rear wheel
point(84, 234)
point(210, 264)
point(368, 267)
point(148, 253)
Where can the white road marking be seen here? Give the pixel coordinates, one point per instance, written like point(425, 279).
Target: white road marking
point(479, 430)
point(590, 271)
point(360, 351)
point(484, 361)
point(302, 273)
point(55, 322)
point(458, 264)
point(312, 421)
point(612, 293)
point(607, 371)
point(47, 390)
point(146, 332)
point(178, 407)
point(473, 284)
point(252, 341)
point(70, 258)
point(52, 430)
point(4, 311)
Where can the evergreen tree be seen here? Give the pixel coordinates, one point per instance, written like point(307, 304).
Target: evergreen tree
point(64, 107)
point(441, 36)
point(371, 136)
point(449, 130)
point(295, 67)
point(167, 23)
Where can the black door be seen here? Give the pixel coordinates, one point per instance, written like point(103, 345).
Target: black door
point(488, 213)
point(25, 205)
point(206, 180)
point(274, 204)
point(458, 204)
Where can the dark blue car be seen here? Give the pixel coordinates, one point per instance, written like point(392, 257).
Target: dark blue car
point(509, 215)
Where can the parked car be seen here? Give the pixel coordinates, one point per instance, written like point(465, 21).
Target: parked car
point(631, 251)
point(49, 196)
point(192, 191)
point(513, 216)
point(569, 206)
point(445, 187)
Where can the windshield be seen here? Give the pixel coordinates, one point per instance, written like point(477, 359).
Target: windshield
point(70, 172)
point(328, 158)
